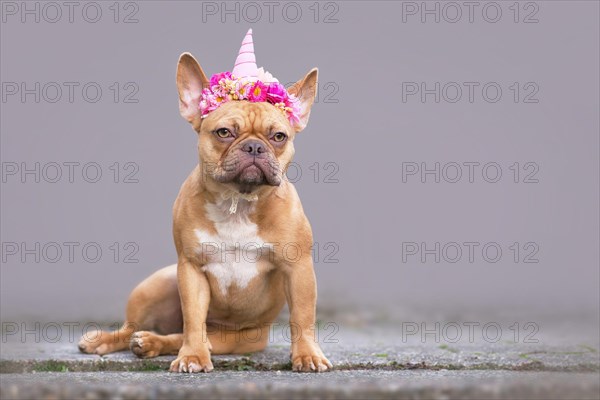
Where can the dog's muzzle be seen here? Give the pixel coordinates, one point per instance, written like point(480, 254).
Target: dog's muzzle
point(251, 164)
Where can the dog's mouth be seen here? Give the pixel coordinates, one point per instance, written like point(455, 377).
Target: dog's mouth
point(250, 178)
point(251, 175)
point(248, 172)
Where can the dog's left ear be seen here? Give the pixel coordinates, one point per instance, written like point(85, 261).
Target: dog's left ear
point(306, 91)
point(190, 82)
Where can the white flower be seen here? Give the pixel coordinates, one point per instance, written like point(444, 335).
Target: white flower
point(265, 76)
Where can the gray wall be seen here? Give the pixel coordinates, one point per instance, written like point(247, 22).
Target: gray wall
point(366, 123)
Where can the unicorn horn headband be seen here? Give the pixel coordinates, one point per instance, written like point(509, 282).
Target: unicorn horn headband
point(245, 63)
point(250, 83)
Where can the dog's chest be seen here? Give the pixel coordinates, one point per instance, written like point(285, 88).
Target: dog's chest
point(234, 253)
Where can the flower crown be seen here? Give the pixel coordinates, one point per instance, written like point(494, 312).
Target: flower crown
point(250, 83)
point(225, 87)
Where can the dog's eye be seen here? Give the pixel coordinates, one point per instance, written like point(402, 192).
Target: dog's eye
point(279, 137)
point(223, 133)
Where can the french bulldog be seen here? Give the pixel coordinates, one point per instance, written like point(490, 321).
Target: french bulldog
point(243, 242)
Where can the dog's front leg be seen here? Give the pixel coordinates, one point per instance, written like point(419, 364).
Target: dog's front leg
point(194, 292)
point(301, 293)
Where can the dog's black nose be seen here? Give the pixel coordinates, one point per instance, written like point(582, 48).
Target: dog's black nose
point(253, 147)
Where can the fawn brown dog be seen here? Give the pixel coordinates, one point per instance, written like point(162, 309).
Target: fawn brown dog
point(242, 239)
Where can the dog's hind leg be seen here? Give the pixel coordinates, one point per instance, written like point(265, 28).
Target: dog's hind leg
point(153, 305)
point(104, 342)
point(145, 344)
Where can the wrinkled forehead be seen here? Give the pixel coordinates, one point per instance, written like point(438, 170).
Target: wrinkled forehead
point(243, 117)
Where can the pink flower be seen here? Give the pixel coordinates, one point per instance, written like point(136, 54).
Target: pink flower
point(258, 92)
point(220, 99)
point(291, 101)
point(294, 116)
point(216, 78)
point(220, 89)
point(241, 89)
point(276, 93)
point(208, 102)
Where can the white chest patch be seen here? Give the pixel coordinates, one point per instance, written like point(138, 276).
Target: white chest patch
point(233, 253)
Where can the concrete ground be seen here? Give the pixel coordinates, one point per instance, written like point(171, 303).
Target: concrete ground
point(354, 384)
point(370, 361)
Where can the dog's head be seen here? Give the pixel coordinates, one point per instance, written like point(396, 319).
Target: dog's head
point(242, 144)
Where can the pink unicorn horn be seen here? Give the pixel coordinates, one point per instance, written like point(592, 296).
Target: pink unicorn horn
point(245, 64)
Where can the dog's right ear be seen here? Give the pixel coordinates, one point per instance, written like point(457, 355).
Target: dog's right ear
point(190, 81)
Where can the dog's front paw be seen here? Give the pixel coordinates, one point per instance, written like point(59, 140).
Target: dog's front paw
point(309, 358)
point(192, 363)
